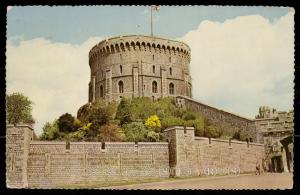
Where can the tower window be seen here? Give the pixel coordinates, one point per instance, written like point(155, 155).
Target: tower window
point(121, 87)
point(154, 87)
point(121, 69)
point(170, 71)
point(153, 57)
point(169, 59)
point(171, 88)
point(153, 69)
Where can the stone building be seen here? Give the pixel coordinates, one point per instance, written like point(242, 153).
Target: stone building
point(139, 66)
point(277, 129)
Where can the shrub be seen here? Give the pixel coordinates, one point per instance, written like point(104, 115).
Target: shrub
point(135, 131)
point(171, 121)
point(65, 123)
point(124, 112)
point(152, 136)
point(153, 122)
point(110, 133)
point(199, 126)
point(50, 131)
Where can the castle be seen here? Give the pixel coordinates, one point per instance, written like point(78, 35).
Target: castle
point(139, 66)
point(147, 66)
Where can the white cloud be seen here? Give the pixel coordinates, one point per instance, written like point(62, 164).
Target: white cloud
point(243, 63)
point(54, 76)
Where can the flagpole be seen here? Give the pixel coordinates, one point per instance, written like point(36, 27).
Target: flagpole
point(151, 22)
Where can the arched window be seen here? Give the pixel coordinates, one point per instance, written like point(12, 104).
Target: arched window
point(153, 69)
point(101, 91)
point(121, 69)
point(171, 88)
point(153, 57)
point(154, 87)
point(121, 87)
point(170, 70)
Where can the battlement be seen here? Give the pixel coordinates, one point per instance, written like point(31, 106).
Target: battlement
point(142, 43)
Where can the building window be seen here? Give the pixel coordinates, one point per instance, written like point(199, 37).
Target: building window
point(170, 71)
point(154, 87)
point(169, 59)
point(101, 91)
point(121, 69)
point(153, 57)
point(171, 88)
point(121, 87)
point(153, 69)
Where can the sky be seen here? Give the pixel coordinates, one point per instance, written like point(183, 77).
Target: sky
point(242, 57)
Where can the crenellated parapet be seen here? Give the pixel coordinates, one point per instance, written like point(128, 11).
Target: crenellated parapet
point(140, 43)
point(139, 66)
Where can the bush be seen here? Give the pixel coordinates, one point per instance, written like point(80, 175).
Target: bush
point(199, 127)
point(153, 122)
point(135, 132)
point(110, 133)
point(65, 123)
point(239, 135)
point(153, 136)
point(212, 131)
point(50, 131)
point(171, 121)
point(189, 116)
point(124, 112)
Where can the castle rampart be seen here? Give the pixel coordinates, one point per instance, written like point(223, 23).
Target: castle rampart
point(54, 164)
point(138, 66)
point(227, 121)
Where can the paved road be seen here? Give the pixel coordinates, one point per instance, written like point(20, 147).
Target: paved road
point(264, 181)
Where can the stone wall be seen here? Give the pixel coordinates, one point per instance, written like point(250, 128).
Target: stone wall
point(131, 59)
point(194, 156)
point(51, 164)
point(17, 149)
point(227, 121)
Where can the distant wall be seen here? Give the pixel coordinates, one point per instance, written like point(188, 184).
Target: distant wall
point(225, 120)
point(51, 164)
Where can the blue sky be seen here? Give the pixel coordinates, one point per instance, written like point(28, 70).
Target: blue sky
point(241, 57)
point(76, 24)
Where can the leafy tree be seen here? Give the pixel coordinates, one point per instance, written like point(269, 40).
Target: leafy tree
point(50, 131)
point(152, 136)
point(99, 115)
point(212, 131)
point(153, 122)
point(110, 133)
point(189, 116)
point(81, 133)
point(18, 108)
point(135, 131)
point(124, 112)
point(171, 121)
point(65, 123)
point(199, 126)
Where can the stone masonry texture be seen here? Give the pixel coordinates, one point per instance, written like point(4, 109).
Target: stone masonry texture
point(50, 164)
point(137, 61)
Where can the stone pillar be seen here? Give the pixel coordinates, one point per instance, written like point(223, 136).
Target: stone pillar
point(93, 88)
point(182, 151)
point(17, 149)
point(163, 82)
point(108, 86)
point(186, 83)
point(284, 160)
point(135, 74)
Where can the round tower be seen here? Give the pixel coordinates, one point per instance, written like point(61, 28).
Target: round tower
point(139, 66)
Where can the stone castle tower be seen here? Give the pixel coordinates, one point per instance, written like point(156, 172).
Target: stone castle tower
point(139, 66)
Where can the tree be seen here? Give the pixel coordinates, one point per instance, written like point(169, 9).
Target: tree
point(152, 136)
point(19, 108)
point(153, 122)
point(110, 133)
point(124, 112)
point(65, 123)
point(135, 132)
point(50, 131)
